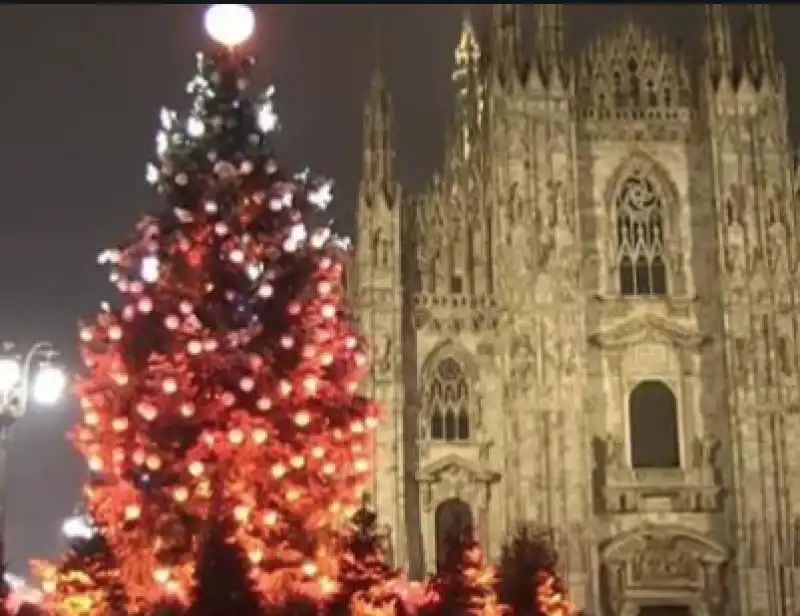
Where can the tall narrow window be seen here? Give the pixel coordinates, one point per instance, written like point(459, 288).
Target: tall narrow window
point(448, 401)
point(640, 238)
point(653, 417)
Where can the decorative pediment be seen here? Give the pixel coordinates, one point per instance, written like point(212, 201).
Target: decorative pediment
point(666, 542)
point(454, 466)
point(648, 328)
point(454, 477)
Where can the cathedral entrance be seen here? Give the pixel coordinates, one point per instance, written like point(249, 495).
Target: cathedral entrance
point(665, 610)
point(453, 519)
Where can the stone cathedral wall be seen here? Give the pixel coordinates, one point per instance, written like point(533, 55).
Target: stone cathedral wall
point(589, 319)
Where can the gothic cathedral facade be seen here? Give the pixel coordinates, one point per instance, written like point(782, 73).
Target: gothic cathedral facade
point(590, 318)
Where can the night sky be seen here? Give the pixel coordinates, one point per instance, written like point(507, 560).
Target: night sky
point(81, 89)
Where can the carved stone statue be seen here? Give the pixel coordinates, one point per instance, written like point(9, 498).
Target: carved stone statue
point(778, 260)
point(707, 446)
point(662, 560)
point(388, 544)
point(735, 250)
point(384, 362)
point(485, 449)
point(614, 452)
point(523, 362)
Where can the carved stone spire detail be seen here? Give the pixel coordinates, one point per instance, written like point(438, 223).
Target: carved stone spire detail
point(761, 43)
point(378, 151)
point(507, 41)
point(719, 51)
point(550, 37)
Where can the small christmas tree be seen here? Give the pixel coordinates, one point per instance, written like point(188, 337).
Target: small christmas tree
point(228, 367)
point(364, 576)
point(86, 581)
point(28, 609)
point(551, 598)
point(528, 567)
point(465, 583)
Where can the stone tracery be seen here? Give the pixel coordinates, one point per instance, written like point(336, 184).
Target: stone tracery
point(448, 398)
point(641, 205)
point(632, 69)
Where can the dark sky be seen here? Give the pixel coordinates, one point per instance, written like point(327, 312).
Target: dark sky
point(82, 85)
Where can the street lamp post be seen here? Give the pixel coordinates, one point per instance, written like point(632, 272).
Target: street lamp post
point(24, 377)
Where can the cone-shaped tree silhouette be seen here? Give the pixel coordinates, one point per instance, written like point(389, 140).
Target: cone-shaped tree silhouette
point(86, 581)
point(465, 582)
point(364, 574)
point(528, 560)
point(222, 582)
point(230, 352)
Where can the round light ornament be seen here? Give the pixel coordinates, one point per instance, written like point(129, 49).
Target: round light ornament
point(230, 24)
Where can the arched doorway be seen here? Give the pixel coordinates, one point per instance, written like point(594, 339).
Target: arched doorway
point(665, 610)
point(453, 519)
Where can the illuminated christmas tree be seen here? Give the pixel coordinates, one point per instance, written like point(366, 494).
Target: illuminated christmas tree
point(465, 584)
point(364, 576)
point(229, 366)
point(529, 583)
point(86, 581)
point(551, 597)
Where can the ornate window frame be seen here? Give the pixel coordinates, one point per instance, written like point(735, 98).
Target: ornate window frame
point(446, 352)
point(641, 167)
point(696, 486)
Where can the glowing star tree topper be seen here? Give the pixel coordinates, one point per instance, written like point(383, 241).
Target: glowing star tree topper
point(230, 24)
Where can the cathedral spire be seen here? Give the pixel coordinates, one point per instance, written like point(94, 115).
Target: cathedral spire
point(507, 40)
point(761, 43)
point(468, 51)
point(719, 52)
point(550, 37)
point(467, 79)
point(378, 152)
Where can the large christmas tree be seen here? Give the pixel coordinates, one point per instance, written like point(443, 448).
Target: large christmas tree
point(220, 394)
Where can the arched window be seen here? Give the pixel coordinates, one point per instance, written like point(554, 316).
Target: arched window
point(448, 401)
point(453, 520)
point(640, 238)
point(653, 417)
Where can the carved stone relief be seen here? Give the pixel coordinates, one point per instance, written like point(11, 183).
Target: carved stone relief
point(661, 561)
point(518, 259)
point(654, 561)
point(539, 258)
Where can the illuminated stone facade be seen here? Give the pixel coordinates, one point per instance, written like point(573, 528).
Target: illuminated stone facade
point(590, 318)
